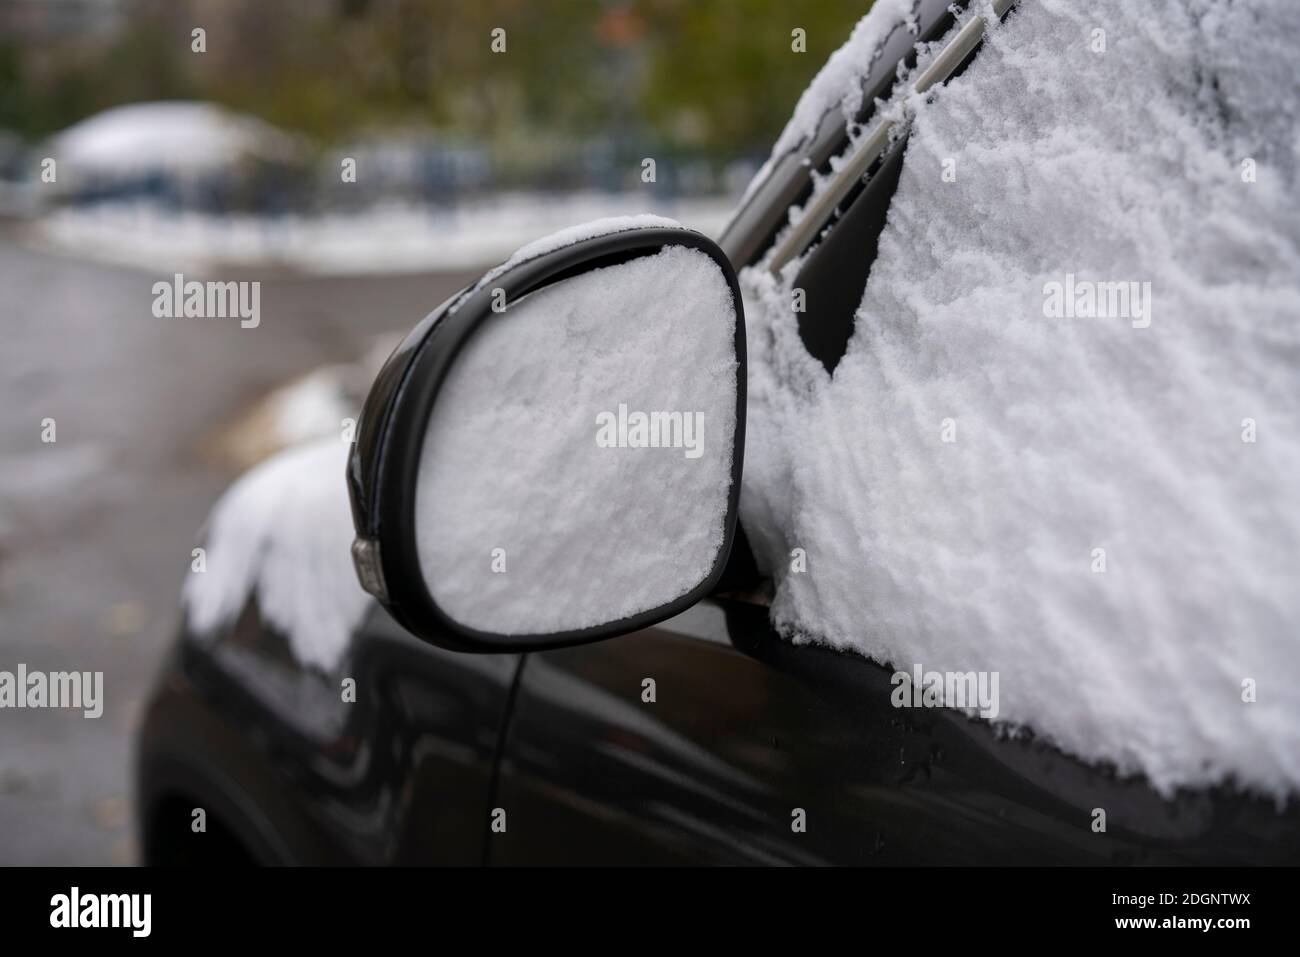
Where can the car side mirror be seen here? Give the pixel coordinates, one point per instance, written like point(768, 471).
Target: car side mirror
point(553, 456)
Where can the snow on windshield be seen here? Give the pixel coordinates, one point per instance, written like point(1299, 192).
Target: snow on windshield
point(1064, 443)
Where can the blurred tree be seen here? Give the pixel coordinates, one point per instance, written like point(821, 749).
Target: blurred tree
point(718, 78)
point(724, 76)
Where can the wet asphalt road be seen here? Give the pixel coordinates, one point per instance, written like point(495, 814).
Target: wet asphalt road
point(96, 528)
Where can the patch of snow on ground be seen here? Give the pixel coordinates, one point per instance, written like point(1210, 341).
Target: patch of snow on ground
point(1071, 434)
point(385, 239)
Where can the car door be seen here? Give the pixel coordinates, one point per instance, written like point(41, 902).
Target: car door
point(709, 739)
point(672, 745)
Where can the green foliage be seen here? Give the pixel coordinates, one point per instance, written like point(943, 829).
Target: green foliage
point(713, 77)
point(724, 75)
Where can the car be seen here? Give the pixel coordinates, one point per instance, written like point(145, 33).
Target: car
point(641, 706)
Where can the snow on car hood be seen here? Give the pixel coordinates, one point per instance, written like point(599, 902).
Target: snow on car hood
point(282, 533)
point(1068, 435)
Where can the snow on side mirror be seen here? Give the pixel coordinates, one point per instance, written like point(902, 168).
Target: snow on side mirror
point(554, 455)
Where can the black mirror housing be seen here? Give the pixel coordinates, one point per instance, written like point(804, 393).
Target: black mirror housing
point(419, 552)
